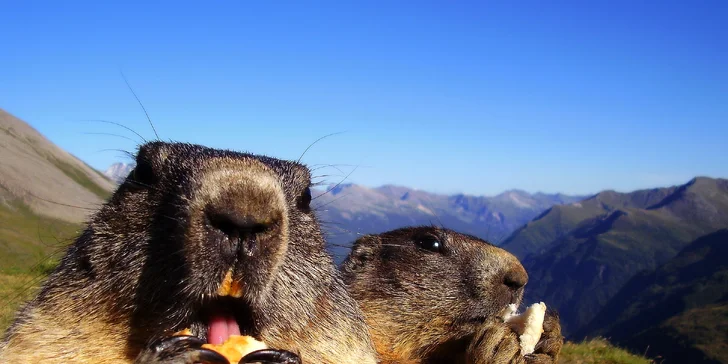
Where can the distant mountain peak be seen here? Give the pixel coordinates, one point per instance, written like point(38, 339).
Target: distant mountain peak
point(117, 172)
point(519, 198)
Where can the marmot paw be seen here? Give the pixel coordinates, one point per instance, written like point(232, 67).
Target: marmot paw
point(494, 342)
point(549, 346)
point(271, 356)
point(179, 350)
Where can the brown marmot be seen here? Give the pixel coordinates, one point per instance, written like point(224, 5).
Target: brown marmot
point(433, 295)
point(153, 259)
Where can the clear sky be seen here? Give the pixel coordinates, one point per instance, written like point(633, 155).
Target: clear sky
point(471, 97)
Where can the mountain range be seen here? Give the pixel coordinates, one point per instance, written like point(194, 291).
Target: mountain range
point(349, 211)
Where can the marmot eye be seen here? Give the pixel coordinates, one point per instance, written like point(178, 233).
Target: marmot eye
point(430, 243)
point(304, 201)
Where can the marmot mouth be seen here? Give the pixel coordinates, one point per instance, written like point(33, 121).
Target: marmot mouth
point(220, 328)
point(482, 317)
point(223, 317)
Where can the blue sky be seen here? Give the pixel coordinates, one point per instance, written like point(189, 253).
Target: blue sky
point(572, 97)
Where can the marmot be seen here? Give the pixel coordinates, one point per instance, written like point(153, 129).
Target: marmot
point(153, 259)
point(433, 295)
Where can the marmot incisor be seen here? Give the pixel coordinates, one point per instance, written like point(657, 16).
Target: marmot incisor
point(151, 260)
point(433, 295)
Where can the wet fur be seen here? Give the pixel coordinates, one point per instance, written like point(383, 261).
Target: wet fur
point(143, 267)
point(439, 307)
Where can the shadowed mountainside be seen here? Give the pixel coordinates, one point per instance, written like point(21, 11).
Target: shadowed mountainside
point(619, 235)
point(678, 311)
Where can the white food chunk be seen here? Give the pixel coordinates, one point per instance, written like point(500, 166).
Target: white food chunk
point(529, 325)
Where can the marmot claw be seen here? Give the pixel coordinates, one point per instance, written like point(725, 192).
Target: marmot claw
point(271, 356)
point(179, 350)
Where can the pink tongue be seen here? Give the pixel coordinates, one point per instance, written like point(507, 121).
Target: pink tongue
point(220, 329)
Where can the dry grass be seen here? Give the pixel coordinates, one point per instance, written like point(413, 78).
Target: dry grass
point(30, 246)
point(596, 351)
point(15, 289)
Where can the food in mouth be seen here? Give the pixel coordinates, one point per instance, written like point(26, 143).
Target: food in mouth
point(234, 347)
point(529, 324)
point(229, 287)
point(223, 331)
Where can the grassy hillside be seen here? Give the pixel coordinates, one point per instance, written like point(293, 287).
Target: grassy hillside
point(698, 335)
point(27, 239)
point(30, 246)
point(80, 177)
point(598, 351)
point(15, 289)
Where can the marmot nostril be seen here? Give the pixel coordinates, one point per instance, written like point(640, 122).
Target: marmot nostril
point(516, 278)
point(242, 230)
point(238, 226)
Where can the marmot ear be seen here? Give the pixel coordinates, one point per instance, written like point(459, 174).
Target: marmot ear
point(149, 158)
point(153, 152)
point(363, 250)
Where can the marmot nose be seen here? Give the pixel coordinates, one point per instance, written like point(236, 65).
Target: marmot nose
point(516, 277)
point(245, 214)
point(241, 229)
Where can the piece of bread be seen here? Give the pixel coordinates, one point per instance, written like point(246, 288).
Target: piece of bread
point(236, 347)
point(529, 325)
point(230, 287)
